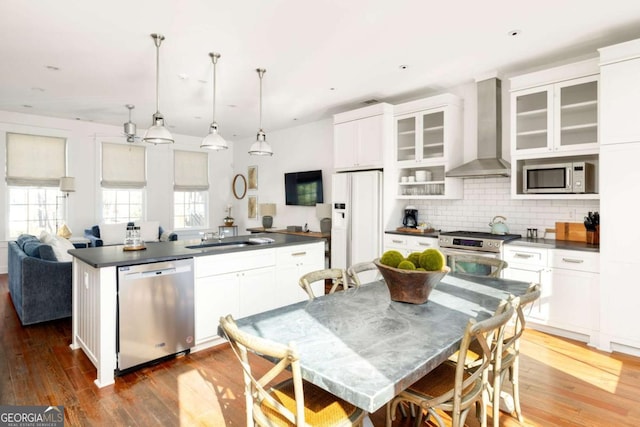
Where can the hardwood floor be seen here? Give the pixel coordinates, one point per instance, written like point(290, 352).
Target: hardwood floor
point(563, 382)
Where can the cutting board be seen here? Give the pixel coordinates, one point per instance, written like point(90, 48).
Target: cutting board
point(414, 230)
point(574, 231)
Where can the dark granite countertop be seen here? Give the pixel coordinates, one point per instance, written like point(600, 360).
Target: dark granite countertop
point(524, 241)
point(106, 256)
point(555, 244)
point(405, 233)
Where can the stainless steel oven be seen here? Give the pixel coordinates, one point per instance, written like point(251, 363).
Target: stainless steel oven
point(473, 243)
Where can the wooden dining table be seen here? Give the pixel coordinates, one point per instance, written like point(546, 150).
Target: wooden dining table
point(365, 348)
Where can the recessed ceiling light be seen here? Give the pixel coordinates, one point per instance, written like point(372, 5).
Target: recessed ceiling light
point(37, 89)
point(197, 117)
point(294, 119)
point(514, 33)
point(332, 88)
point(203, 81)
point(231, 105)
point(403, 67)
point(52, 68)
point(27, 106)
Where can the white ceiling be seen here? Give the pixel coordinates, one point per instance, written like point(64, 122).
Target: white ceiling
point(106, 57)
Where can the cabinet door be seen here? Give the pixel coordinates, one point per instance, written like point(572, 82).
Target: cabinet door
point(539, 310)
point(573, 301)
point(345, 140)
point(215, 296)
point(431, 144)
point(258, 291)
point(531, 120)
point(406, 138)
point(370, 142)
point(620, 92)
point(576, 114)
point(292, 263)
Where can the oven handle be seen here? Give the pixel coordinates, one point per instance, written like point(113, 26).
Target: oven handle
point(449, 251)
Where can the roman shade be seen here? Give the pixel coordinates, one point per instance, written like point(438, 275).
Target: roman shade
point(190, 171)
point(34, 160)
point(123, 166)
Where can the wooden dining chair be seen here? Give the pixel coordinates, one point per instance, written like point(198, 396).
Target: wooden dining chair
point(293, 402)
point(453, 388)
point(510, 362)
point(459, 263)
point(354, 271)
point(336, 276)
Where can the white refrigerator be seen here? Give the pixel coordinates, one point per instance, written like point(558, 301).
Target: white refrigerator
point(356, 232)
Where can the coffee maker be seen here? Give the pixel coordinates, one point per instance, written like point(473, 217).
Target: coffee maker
point(410, 219)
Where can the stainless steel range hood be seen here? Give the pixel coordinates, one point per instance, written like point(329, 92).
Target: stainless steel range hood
point(489, 162)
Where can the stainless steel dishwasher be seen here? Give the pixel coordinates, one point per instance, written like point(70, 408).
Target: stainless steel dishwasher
point(155, 312)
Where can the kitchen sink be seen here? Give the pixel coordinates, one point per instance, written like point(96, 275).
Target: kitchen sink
point(222, 245)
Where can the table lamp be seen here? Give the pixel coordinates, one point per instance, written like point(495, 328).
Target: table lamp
point(267, 210)
point(323, 213)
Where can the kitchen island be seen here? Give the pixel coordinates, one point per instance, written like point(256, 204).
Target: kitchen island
point(238, 276)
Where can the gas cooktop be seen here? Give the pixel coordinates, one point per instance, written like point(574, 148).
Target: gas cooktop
point(475, 240)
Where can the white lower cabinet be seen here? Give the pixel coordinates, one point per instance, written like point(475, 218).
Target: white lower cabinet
point(294, 262)
point(569, 282)
point(246, 283)
point(576, 277)
point(406, 244)
point(530, 264)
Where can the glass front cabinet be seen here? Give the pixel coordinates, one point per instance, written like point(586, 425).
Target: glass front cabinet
point(556, 118)
point(428, 142)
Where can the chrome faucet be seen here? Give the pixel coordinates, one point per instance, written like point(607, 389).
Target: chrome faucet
point(210, 235)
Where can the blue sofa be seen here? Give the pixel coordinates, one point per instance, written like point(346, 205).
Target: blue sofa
point(40, 286)
point(93, 234)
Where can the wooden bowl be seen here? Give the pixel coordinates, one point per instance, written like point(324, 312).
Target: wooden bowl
point(409, 285)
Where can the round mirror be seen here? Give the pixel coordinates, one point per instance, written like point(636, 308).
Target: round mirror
point(239, 186)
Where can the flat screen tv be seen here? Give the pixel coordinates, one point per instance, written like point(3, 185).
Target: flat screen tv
point(303, 188)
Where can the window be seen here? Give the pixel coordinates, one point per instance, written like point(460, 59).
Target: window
point(190, 209)
point(122, 205)
point(190, 185)
point(34, 166)
point(32, 210)
point(123, 182)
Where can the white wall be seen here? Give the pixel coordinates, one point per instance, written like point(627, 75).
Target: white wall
point(301, 148)
point(84, 139)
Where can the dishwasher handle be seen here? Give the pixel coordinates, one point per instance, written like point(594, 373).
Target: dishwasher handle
point(162, 272)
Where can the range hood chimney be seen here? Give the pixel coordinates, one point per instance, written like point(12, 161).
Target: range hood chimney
point(489, 162)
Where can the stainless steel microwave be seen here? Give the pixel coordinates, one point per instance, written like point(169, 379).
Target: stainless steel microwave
point(573, 177)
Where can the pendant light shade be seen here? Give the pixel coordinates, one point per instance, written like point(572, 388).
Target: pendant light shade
point(158, 133)
point(261, 147)
point(214, 141)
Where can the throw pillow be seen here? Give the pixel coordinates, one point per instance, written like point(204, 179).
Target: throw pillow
point(60, 246)
point(32, 248)
point(23, 238)
point(113, 234)
point(149, 230)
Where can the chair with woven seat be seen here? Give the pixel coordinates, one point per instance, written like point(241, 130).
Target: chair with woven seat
point(353, 272)
point(337, 276)
point(460, 263)
point(453, 388)
point(293, 402)
point(510, 362)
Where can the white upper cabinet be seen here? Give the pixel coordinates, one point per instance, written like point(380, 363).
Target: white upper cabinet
point(428, 142)
point(620, 92)
point(559, 117)
point(360, 136)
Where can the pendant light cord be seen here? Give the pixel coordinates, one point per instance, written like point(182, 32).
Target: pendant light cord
point(214, 59)
point(261, 72)
point(157, 38)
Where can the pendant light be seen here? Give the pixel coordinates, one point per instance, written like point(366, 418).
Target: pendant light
point(214, 141)
point(261, 147)
point(157, 133)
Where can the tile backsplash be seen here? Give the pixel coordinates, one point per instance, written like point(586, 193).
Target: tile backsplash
point(485, 198)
